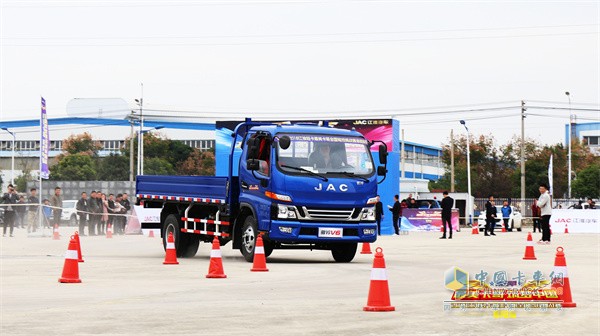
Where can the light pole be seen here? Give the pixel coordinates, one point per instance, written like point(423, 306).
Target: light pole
point(140, 102)
point(12, 161)
point(469, 205)
point(569, 140)
point(142, 148)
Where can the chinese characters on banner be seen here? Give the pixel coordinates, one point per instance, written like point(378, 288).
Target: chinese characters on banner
point(44, 142)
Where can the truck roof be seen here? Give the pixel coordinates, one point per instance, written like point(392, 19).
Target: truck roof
point(306, 129)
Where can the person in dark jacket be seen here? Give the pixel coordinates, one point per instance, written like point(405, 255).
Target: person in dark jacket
point(379, 214)
point(83, 207)
point(490, 216)
point(93, 217)
point(396, 214)
point(447, 205)
point(10, 197)
point(99, 213)
point(535, 216)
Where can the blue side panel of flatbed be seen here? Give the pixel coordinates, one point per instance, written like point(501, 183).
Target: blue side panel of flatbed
point(182, 186)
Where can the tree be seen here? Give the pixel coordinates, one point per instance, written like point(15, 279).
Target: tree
point(114, 167)
point(81, 144)
point(587, 183)
point(198, 163)
point(74, 167)
point(21, 181)
point(158, 166)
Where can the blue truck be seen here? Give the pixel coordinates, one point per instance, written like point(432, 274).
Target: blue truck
point(299, 186)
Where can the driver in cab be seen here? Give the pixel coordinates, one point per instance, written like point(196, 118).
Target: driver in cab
point(323, 157)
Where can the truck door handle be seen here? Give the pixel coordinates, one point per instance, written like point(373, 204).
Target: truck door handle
point(245, 185)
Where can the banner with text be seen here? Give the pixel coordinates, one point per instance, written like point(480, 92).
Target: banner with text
point(44, 142)
point(577, 220)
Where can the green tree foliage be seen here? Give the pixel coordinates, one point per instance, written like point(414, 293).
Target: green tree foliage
point(587, 183)
point(21, 181)
point(74, 167)
point(158, 166)
point(81, 144)
point(198, 163)
point(113, 168)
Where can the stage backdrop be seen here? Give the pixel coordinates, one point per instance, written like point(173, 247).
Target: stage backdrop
point(577, 220)
point(386, 130)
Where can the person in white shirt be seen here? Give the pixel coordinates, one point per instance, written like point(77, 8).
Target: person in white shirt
point(545, 205)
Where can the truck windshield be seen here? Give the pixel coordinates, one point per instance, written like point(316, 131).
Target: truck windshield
point(326, 155)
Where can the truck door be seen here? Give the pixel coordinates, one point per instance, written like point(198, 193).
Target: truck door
point(254, 183)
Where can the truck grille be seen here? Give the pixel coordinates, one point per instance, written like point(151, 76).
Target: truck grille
point(328, 214)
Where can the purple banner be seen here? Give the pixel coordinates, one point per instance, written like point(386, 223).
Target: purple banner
point(426, 219)
point(44, 142)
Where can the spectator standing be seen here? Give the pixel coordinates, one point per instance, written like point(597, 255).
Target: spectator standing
point(447, 205)
point(20, 211)
point(47, 212)
point(9, 197)
point(413, 204)
point(396, 214)
point(535, 216)
point(56, 201)
point(99, 213)
point(591, 203)
point(93, 213)
point(544, 203)
point(83, 209)
point(506, 211)
point(378, 214)
point(490, 216)
point(32, 210)
point(127, 206)
point(104, 219)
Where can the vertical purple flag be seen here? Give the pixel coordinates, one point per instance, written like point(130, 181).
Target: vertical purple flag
point(44, 142)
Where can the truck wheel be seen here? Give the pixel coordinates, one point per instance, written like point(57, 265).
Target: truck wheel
point(268, 248)
point(249, 231)
point(344, 252)
point(183, 242)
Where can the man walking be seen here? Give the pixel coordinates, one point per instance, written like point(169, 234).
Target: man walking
point(447, 205)
point(32, 210)
point(506, 211)
point(56, 201)
point(83, 208)
point(490, 216)
point(396, 214)
point(10, 197)
point(378, 214)
point(545, 211)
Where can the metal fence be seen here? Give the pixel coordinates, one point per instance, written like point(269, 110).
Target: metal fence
point(71, 190)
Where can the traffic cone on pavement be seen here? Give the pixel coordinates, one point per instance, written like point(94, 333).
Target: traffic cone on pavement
point(379, 293)
point(260, 261)
point(503, 228)
point(215, 269)
point(529, 252)
point(566, 228)
point(475, 229)
point(56, 234)
point(109, 231)
point(70, 272)
point(563, 288)
point(366, 249)
point(171, 253)
point(151, 234)
point(79, 256)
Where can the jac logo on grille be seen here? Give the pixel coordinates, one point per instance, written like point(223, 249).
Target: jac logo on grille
point(331, 187)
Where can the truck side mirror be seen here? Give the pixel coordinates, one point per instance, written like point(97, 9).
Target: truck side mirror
point(381, 171)
point(252, 148)
point(252, 164)
point(383, 154)
point(284, 142)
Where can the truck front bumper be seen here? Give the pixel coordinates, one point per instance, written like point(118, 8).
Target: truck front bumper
point(314, 232)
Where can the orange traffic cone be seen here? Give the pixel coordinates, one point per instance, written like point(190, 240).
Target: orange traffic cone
point(56, 234)
point(475, 229)
point(151, 234)
point(566, 228)
point(529, 252)
point(260, 261)
point(442, 228)
point(366, 249)
point(70, 272)
point(109, 231)
point(171, 255)
point(503, 228)
point(563, 288)
point(215, 269)
point(379, 293)
point(79, 256)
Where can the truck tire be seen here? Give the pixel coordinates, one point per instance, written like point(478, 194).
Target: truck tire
point(185, 244)
point(344, 253)
point(248, 238)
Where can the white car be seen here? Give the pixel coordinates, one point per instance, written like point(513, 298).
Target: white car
point(69, 213)
point(514, 220)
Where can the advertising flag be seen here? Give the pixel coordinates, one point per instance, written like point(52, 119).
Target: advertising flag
point(44, 142)
point(550, 177)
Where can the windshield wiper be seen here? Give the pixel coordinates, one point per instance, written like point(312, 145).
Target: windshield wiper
point(306, 170)
point(350, 174)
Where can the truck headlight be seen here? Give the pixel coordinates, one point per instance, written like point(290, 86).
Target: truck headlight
point(368, 214)
point(372, 200)
point(285, 211)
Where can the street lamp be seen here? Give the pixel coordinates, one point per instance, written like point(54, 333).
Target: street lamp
point(469, 205)
point(569, 139)
point(142, 147)
point(12, 163)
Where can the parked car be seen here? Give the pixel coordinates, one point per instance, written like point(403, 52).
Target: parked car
point(514, 222)
point(69, 213)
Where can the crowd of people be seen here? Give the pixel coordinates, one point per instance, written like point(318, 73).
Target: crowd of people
point(95, 212)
